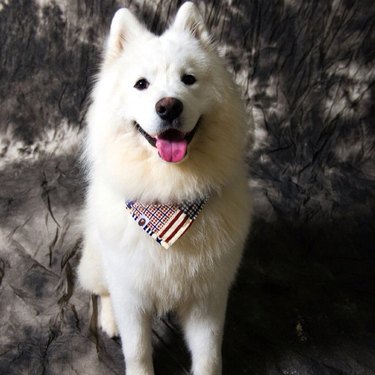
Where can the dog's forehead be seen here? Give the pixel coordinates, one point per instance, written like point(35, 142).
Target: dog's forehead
point(176, 44)
point(172, 50)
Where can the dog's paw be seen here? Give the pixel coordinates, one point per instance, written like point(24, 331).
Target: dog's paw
point(107, 319)
point(109, 326)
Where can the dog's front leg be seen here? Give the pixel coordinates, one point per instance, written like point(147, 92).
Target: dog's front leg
point(134, 324)
point(203, 324)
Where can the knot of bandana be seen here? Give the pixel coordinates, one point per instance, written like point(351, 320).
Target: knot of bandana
point(165, 223)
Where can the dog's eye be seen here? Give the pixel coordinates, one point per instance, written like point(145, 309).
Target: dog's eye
point(141, 84)
point(188, 79)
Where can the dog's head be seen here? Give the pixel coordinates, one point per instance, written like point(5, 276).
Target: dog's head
point(159, 99)
point(163, 81)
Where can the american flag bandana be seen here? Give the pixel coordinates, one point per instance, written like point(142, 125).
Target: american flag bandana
point(165, 223)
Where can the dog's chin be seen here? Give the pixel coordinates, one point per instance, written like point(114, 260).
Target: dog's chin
point(171, 144)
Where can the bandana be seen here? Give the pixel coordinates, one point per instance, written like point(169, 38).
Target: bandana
point(165, 223)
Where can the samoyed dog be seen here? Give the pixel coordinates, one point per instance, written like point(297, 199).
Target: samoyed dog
point(168, 209)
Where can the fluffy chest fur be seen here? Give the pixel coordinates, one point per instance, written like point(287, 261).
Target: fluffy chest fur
point(205, 257)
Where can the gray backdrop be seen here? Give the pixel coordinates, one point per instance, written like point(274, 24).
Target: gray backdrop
point(304, 299)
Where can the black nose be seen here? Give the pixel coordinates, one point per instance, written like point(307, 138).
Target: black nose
point(169, 108)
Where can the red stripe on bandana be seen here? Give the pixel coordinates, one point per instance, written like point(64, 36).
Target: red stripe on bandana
point(177, 229)
point(170, 224)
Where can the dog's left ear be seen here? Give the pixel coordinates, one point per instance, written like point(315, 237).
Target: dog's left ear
point(124, 28)
point(188, 18)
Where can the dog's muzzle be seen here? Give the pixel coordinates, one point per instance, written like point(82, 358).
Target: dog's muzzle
point(171, 143)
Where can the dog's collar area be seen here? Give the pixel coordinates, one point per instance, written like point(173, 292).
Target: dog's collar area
point(165, 223)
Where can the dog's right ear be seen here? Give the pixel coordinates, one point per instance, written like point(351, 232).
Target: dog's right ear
point(124, 27)
point(188, 18)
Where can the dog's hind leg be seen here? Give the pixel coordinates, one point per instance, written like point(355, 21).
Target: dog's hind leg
point(91, 278)
point(107, 319)
point(90, 270)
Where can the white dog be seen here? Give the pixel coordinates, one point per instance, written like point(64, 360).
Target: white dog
point(168, 208)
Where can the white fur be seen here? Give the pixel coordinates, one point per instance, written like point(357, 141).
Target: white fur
point(142, 278)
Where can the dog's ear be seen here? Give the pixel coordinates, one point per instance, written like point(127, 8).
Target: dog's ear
point(124, 27)
point(188, 18)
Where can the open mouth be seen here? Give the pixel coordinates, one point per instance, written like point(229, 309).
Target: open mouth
point(171, 144)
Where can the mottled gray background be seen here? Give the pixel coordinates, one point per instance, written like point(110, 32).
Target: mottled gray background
point(304, 301)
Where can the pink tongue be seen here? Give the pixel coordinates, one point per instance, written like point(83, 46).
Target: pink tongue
point(171, 150)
